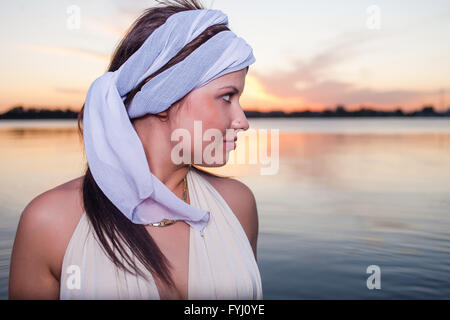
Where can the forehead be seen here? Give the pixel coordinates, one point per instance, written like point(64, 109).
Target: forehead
point(235, 78)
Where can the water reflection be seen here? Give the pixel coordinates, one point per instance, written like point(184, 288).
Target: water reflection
point(340, 202)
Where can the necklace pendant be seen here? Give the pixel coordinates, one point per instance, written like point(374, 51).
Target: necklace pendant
point(167, 222)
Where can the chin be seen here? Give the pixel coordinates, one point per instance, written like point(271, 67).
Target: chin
point(213, 165)
point(216, 164)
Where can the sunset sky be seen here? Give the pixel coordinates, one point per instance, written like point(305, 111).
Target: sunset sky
point(309, 54)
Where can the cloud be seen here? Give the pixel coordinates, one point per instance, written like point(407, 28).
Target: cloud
point(67, 50)
point(311, 71)
point(335, 92)
point(308, 80)
point(69, 90)
point(96, 26)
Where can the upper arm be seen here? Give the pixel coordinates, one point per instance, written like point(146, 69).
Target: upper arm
point(30, 272)
point(242, 202)
point(247, 213)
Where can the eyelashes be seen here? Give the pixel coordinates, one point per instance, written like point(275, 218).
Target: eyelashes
point(228, 94)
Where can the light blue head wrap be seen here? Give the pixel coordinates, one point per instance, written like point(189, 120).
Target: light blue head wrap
point(113, 148)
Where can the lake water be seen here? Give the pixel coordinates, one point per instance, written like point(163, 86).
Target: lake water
point(348, 194)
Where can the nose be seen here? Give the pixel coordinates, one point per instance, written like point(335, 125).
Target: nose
point(241, 122)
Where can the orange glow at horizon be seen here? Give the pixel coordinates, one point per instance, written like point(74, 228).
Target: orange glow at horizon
point(257, 98)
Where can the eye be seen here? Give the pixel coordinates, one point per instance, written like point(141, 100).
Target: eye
point(230, 95)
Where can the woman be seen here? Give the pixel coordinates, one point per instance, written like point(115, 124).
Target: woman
point(138, 224)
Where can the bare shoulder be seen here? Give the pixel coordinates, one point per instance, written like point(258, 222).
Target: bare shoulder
point(44, 230)
point(54, 208)
point(55, 214)
point(241, 201)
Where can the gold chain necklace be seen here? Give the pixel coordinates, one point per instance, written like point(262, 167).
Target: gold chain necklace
point(168, 222)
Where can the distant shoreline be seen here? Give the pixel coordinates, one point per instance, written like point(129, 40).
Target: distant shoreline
point(20, 113)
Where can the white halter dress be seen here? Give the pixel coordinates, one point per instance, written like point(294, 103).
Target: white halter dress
point(221, 264)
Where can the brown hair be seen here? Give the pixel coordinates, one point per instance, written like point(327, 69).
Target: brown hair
point(108, 222)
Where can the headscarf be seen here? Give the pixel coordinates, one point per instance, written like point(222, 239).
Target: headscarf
point(114, 152)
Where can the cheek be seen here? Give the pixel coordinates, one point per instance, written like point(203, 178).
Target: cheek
point(206, 109)
point(210, 112)
point(203, 113)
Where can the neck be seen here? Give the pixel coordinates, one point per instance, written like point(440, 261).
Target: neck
point(158, 154)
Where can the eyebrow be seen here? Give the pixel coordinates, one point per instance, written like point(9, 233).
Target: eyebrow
point(231, 87)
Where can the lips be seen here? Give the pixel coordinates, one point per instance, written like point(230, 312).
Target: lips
point(230, 145)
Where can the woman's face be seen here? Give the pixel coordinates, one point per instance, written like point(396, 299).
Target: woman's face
point(212, 106)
